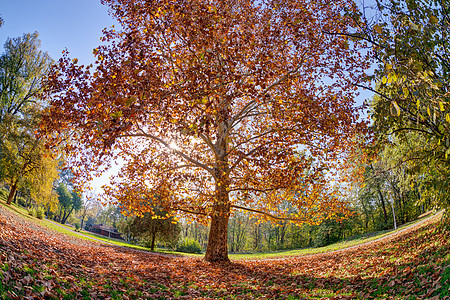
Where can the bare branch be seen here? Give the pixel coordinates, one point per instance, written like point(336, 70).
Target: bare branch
point(269, 214)
point(190, 211)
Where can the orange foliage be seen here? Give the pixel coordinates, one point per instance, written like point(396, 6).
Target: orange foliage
point(215, 105)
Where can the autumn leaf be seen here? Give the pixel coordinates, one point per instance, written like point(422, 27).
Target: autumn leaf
point(207, 102)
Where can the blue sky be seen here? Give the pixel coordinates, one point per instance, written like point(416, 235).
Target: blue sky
point(73, 24)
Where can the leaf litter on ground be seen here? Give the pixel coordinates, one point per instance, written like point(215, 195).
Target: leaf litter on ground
point(38, 263)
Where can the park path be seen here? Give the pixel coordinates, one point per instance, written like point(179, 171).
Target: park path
point(79, 233)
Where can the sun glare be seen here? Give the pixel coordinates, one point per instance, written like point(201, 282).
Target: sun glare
point(173, 146)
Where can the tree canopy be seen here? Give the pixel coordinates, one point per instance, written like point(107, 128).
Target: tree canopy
point(152, 227)
point(409, 41)
point(22, 154)
point(215, 105)
point(68, 201)
point(22, 68)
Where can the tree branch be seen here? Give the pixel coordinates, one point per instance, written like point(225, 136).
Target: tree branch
point(353, 35)
point(165, 144)
point(249, 105)
point(190, 211)
point(268, 214)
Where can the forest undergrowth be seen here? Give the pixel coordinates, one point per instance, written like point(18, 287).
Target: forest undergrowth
point(38, 263)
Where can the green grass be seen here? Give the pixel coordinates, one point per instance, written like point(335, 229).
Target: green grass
point(307, 251)
point(16, 208)
point(65, 229)
point(122, 243)
point(444, 291)
point(350, 242)
point(99, 238)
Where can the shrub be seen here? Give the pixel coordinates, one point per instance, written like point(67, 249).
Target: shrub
point(22, 201)
point(30, 211)
point(3, 193)
point(77, 227)
point(39, 213)
point(189, 246)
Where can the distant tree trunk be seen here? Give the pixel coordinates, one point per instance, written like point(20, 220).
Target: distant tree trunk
point(28, 203)
point(62, 219)
point(231, 230)
point(12, 192)
point(186, 230)
point(152, 247)
point(383, 205)
point(393, 213)
point(283, 234)
point(66, 216)
point(240, 236)
point(374, 221)
point(83, 216)
point(82, 221)
point(405, 213)
point(257, 236)
point(341, 233)
point(277, 237)
point(366, 217)
point(60, 214)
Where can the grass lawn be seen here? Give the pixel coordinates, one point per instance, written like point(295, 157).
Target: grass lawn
point(82, 234)
point(350, 242)
point(40, 263)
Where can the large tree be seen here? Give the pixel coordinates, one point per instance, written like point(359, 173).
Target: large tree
point(22, 68)
point(214, 106)
point(24, 162)
point(68, 202)
point(410, 42)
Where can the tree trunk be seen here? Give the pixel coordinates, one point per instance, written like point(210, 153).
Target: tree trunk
point(12, 192)
point(217, 249)
point(60, 214)
point(283, 234)
point(383, 205)
point(28, 203)
point(310, 237)
point(62, 219)
point(257, 236)
point(232, 239)
point(393, 213)
point(152, 248)
point(66, 216)
point(82, 222)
